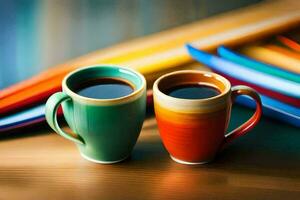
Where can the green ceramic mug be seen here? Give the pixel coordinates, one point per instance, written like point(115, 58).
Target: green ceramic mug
point(105, 130)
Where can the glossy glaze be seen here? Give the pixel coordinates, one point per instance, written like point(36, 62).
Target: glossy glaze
point(106, 130)
point(193, 130)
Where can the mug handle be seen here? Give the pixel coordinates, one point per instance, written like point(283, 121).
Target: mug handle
point(248, 125)
point(52, 106)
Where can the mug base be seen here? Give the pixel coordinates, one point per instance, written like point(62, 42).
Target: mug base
point(102, 162)
point(189, 163)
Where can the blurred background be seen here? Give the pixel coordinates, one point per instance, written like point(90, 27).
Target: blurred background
point(37, 34)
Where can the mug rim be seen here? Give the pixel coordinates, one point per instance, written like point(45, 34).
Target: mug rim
point(212, 74)
point(123, 99)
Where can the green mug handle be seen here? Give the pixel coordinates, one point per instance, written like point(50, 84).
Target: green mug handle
point(52, 106)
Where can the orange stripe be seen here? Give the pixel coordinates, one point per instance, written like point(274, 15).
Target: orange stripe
point(136, 53)
point(289, 43)
point(166, 40)
point(186, 118)
point(284, 51)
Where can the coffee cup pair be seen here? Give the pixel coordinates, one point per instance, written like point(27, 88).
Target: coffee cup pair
point(105, 108)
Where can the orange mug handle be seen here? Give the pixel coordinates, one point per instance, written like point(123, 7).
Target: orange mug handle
point(248, 125)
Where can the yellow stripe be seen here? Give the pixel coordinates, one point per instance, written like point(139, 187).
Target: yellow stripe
point(144, 53)
point(272, 57)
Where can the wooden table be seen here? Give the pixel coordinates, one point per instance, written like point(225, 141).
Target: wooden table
point(38, 164)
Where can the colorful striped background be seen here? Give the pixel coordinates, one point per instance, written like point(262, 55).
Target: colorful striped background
point(36, 34)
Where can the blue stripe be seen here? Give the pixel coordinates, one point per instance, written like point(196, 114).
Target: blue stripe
point(243, 73)
point(271, 107)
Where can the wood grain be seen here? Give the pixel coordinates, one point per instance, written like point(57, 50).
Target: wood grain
point(46, 166)
point(38, 164)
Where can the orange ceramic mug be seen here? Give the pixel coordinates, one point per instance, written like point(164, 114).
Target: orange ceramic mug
point(194, 130)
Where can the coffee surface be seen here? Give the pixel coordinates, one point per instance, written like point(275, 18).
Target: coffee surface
point(192, 91)
point(104, 88)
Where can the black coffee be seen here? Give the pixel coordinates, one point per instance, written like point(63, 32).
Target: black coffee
point(104, 88)
point(192, 91)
